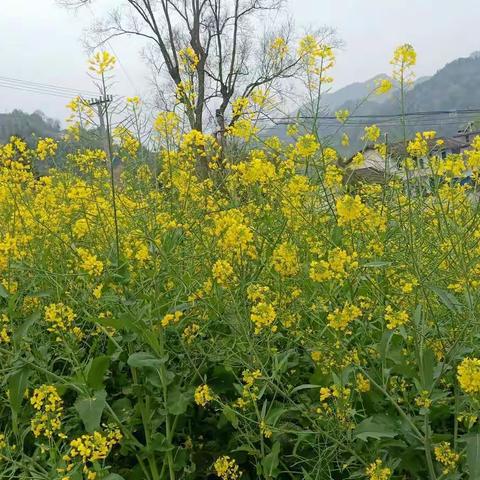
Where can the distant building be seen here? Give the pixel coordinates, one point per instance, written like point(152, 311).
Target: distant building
point(467, 134)
point(377, 168)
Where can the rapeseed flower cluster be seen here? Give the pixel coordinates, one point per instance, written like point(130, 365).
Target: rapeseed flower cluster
point(263, 316)
point(48, 405)
point(338, 265)
point(249, 389)
point(285, 259)
point(377, 471)
point(223, 273)
point(340, 319)
point(90, 263)
point(468, 374)
point(60, 318)
point(102, 62)
point(46, 147)
point(203, 395)
point(5, 330)
point(226, 468)
point(447, 457)
point(404, 59)
point(395, 319)
point(89, 449)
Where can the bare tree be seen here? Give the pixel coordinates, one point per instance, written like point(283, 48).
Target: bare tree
point(208, 49)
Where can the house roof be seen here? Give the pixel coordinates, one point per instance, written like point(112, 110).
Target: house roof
point(347, 161)
point(368, 175)
point(449, 143)
point(464, 134)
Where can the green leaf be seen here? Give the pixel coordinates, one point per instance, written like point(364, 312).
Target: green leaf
point(306, 475)
point(181, 459)
point(113, 476)
point(247, 448)
point(17, 384)
point(274, 415)
point(178, 401)
point(428, 366)
point(96, 372)
point(145, 360)
point(271, 461)
point(230, 415)
point(378, 426)
point(222, 379)
point(473, 455)
point(417, 316)
point(305, 386)
point(448, 299)
point(377, 264)
point(337, 235)
point(159, 443)
point(90, 409)
point(22, 330)
point(3, 292)
point(119, 323)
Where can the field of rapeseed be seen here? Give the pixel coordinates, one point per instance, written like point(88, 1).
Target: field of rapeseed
point(266, 319)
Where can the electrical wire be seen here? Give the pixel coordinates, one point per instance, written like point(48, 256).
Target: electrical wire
point(422, 118)
point(44, 87)
point(450, 113)
point(33, 90)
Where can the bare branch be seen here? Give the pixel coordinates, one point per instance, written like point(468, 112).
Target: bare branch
point(231, 58)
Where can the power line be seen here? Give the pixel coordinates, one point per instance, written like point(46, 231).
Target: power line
point(424, 123)
point(377, 116)
point(45, 86)
point(125, 71)
point(424, 118)
point(33, 90)
point(33, 87)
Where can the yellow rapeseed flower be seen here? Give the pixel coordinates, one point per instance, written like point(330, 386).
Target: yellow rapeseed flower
point(468, 375)
point(447, 457)
point(395, 319)
point(102, 62)
point(203, 395)
point(226, 468)
point(376, 471)
point(285, 259)
point(340, 319)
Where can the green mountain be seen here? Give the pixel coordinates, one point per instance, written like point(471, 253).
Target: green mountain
point(332, 101)
point(453, 87)
point(354, 94)
point(27, 126)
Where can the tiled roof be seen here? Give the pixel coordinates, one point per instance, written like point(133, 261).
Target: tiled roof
point(449, 143)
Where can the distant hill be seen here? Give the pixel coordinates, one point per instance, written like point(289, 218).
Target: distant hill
point(357, 92)
point(453, 87)
point(27, 126)
point(352, 93)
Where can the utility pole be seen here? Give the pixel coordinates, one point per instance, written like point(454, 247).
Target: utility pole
point(387, 160)
point(102, 104)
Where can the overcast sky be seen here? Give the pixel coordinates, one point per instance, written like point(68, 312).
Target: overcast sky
point(41, 42)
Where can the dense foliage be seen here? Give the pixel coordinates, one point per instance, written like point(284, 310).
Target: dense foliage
point(253, 322)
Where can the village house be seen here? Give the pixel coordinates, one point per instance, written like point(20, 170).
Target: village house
point(377, 168)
